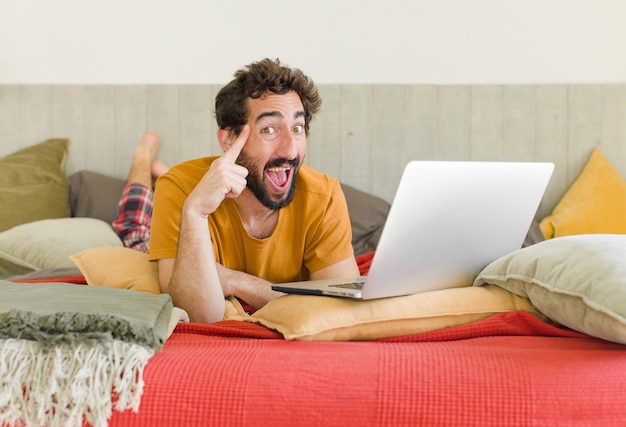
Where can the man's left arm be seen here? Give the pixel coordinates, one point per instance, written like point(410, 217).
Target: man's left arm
point(347, 268)
point(253, 290)
point(336, 237)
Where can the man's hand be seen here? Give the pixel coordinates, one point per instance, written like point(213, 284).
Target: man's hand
point(224, 179)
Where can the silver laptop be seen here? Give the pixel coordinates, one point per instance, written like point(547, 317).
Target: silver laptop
point(448, 220)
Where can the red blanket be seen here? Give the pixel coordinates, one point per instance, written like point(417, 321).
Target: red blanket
point(514, 323)
point(77, 280)
point(510, 369)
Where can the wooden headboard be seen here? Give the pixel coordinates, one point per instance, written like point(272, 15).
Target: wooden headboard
point(364, 134)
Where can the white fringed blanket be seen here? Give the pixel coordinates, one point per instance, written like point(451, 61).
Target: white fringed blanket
point(71, 354)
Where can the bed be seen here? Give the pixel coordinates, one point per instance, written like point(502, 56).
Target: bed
point(538, 338)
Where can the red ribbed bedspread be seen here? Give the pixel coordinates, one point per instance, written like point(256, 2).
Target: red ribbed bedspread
point(510, 369)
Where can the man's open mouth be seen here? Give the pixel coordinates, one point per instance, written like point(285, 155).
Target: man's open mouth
point(279, 175)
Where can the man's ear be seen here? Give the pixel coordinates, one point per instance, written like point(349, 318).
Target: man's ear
point(225, 138)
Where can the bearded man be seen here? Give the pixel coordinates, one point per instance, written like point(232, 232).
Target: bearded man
point(256, 215)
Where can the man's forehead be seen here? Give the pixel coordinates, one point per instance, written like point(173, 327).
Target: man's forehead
point(276, 105)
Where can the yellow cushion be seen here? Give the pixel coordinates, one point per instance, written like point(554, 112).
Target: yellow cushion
point(317, 318)
point(125, 268)
point(595, 203)
point(118, 267)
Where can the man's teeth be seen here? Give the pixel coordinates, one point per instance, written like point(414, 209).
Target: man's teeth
point(277, 169)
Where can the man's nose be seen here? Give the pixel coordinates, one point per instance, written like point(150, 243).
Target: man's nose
point(288, 148)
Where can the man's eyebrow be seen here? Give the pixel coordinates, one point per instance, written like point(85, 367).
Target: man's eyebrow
point(268, 114)
point(261, 116)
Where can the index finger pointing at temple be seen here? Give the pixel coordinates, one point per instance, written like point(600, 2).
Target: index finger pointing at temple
point(233, 152)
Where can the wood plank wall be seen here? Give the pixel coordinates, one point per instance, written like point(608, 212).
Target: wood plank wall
point(364, 134)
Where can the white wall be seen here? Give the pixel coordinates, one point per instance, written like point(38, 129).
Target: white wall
point(334, 41)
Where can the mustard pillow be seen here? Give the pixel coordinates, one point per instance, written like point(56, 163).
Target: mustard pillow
point(33, 184)
point(595, 203)
point(125, 268)
point(118, 267)
point(317, 318)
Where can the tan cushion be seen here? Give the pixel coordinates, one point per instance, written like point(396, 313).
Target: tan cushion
point(118, 267)
point(317, 318)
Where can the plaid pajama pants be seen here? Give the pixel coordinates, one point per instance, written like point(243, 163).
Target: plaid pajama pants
point(135, 216)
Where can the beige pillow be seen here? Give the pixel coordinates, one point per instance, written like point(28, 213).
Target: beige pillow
point(578, 281)
point(48, 243)
point(118, 267)
point(317, 318)
point(33, 184)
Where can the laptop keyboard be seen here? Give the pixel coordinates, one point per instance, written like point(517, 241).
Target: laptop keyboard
point(353, 285)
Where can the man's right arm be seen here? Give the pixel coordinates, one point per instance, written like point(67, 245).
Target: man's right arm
point(192, 277)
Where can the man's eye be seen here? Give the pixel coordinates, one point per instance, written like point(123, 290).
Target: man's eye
point(298, 129)
point(268, 130)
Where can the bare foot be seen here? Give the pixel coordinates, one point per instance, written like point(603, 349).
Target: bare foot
point(143, 156)
point(148, 145)
point(158, 168)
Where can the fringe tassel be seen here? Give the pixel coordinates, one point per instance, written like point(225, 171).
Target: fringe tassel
point(69, 384)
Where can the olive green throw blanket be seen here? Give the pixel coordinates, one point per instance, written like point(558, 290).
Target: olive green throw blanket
point(70, 354)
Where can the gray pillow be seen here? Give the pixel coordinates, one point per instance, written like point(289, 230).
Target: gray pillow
point(368, 214)
point(95, 195)
point(535, 235)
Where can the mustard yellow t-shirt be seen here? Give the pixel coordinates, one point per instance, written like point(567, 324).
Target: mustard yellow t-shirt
point(312, 233)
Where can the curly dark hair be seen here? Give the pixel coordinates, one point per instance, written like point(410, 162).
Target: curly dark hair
point(256, 80)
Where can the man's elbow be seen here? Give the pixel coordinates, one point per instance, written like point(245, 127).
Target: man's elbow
point(207, 317)
point(209, 312)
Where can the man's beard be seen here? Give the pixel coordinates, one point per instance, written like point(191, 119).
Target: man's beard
point(256, 184)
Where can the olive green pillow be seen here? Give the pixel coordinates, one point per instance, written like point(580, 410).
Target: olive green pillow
point(33, 184)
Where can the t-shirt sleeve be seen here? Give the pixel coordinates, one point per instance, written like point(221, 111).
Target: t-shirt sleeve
point(331, 241)
point(169, 197)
